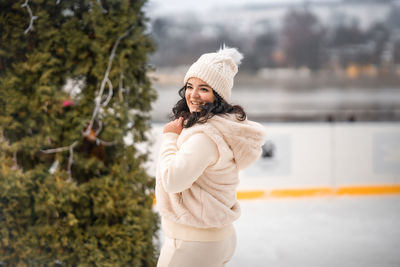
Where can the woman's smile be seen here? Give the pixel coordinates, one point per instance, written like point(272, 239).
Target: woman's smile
point(198, 93)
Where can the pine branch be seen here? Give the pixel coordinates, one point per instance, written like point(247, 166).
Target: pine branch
point(138, 112)
point(32, 17)
point(105, 81)
point(98, 106)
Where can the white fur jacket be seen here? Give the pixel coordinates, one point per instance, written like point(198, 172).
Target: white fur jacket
point(197, 171)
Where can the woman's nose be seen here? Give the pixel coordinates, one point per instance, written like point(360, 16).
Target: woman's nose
point(195, 92)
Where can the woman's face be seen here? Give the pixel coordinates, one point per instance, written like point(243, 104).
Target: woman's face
point(197, 94)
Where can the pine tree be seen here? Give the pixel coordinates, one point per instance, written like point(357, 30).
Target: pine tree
point(72, 192)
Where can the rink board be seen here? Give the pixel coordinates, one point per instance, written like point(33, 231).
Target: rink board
point(314, 159)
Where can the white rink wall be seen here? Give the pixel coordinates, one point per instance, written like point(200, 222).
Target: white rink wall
point(309, 155)
point(328, 154)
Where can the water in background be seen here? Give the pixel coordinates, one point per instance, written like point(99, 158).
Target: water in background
point(329, 104)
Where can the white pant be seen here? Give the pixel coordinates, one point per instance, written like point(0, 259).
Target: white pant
point(179, 253)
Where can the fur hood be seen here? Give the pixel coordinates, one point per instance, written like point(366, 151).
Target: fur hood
point(243, 138)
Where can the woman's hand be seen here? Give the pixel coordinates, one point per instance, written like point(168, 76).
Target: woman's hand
point(174, 126)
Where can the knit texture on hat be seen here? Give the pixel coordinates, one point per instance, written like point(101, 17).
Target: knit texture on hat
point(217, 69)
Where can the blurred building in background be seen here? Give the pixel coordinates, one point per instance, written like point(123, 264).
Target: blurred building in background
point(292, 47)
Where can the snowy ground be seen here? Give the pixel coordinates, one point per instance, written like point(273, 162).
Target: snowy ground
point(319, 232)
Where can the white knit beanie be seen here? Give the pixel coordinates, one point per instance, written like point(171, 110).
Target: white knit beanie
point(217, 69)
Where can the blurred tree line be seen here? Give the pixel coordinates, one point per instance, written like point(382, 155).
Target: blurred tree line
point(301, 41)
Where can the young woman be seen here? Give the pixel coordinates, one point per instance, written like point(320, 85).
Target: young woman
point(202, 151)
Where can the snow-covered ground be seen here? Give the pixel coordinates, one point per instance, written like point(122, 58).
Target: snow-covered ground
point(319, 232)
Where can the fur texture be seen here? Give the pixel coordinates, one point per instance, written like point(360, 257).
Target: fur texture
point(211, 200)
point(232, 53)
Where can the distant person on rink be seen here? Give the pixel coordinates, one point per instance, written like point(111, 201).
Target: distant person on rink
point(202, 151)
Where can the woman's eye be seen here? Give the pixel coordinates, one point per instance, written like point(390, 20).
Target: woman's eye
point(204, 89)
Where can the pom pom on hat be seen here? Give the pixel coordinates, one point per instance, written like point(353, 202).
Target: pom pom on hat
point(232, 53)
point(217, 69)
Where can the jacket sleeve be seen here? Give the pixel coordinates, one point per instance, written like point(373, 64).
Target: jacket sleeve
point(179, 169)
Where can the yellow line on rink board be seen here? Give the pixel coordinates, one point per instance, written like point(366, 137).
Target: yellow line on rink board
point(369, 190)
point(319, 191)
point(251, 194)
point(322, 191)
point(301, 192)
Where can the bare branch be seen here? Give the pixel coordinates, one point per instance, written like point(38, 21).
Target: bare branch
point(106, 80)
point(71, 159)
point(121, 87)
point(69, 148)
point(105, 143)
point(98, 104)
point(100, 128)
point(32, 17)
point(15, 160)
point(110, 93)
point(54, 167)
point(101, 6)
point(56, 150)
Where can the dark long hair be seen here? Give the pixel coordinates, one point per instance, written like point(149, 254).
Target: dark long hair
point(219, 106)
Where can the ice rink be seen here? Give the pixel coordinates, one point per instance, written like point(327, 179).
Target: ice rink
point(351, 231)
point(319, 231)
